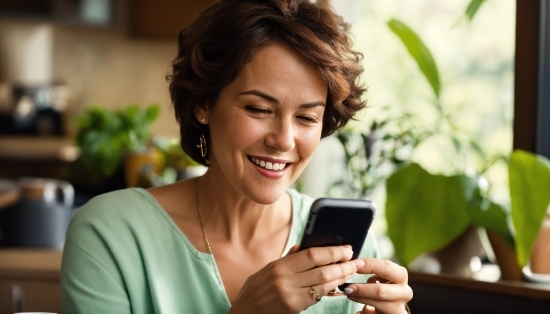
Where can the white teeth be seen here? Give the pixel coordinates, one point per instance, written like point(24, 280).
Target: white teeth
point(268, 165)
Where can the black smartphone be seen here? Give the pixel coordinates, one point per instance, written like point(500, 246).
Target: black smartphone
point(338, 221)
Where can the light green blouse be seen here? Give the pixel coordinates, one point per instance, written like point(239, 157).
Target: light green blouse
point(124, 254)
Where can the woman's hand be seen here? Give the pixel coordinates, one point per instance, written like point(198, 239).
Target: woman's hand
point(284, 285)
point(385, 292)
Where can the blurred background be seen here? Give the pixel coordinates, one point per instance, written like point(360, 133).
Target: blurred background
point(85, 109)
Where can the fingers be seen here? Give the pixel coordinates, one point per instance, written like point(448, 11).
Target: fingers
point(379, 291)
point(327, 288)
point(386, 298)
point(376, 278)
point(318, 256)
point(387, 290)
point(388, 270)
point(339, 272)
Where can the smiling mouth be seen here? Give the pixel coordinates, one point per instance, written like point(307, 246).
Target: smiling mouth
point(273, 166)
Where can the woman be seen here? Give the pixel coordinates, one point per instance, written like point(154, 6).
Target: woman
point(256, 84)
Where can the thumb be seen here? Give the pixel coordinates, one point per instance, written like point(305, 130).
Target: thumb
point(367, 309)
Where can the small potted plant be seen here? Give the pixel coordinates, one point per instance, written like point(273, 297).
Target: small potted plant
point(113, 141)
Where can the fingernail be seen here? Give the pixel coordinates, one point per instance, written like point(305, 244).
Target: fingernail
point(360, 263)
point(348, 251)
point(349, 290)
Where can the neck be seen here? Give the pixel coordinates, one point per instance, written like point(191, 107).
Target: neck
point(228, 215)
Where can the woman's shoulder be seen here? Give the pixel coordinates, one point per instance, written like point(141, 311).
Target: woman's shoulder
point(125, 204)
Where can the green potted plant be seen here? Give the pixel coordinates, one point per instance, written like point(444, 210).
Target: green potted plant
point(111, 139)
point(428, 212)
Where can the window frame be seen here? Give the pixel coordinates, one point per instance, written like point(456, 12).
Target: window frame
point(532, 77)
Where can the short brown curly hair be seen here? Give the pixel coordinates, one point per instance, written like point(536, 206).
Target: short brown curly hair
point(213, 50)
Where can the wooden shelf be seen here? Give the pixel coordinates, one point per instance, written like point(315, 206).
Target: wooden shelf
point(511, 288)
point(450, 294)
point(38, 148)
point(30, 263)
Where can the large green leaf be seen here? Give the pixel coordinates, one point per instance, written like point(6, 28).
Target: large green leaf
point(425, 212)
point(529, 176)
point(419, 52)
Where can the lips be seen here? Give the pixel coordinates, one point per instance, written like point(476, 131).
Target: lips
point(269, 165)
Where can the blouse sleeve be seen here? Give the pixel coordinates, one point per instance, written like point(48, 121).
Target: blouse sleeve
point(87, 286)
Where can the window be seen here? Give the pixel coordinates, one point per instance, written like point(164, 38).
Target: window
point(475, 60)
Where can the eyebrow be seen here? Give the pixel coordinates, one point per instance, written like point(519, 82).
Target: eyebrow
point(274, 100)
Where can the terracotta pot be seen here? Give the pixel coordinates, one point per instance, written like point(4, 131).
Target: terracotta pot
point(540, 255)
point(139, 164)
point(505, 257)
point(456, 256)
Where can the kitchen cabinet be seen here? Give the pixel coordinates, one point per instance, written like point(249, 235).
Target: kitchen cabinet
point(141, 19)
point(152, 19)
point(30, 280)
point(96, 13)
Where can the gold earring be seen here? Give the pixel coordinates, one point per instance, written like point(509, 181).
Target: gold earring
point(202, 145)
point(203, 119)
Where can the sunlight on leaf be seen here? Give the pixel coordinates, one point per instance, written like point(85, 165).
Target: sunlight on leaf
point(425, 212)
point(529, 176)
point(473, 7)
point(419, 52)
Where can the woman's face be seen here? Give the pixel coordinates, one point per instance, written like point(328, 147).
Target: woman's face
point(267, 123)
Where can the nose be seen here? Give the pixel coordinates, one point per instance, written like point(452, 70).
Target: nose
point(281, 135)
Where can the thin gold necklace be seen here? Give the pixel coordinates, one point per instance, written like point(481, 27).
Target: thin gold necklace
point(200, 216)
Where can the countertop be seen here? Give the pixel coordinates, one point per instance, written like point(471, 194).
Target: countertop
point(30, 263)
point(47, 263)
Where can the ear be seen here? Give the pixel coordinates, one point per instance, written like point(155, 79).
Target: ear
point(202, 114)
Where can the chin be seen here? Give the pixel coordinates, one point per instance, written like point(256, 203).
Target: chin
point(267, 195)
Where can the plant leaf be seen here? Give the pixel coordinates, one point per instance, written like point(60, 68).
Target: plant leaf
point(495, 217)
point(529, 177)
point(424, 212)
point(419, 52)
point(472, 8)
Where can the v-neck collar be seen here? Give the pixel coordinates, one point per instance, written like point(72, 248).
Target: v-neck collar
point(290, 242)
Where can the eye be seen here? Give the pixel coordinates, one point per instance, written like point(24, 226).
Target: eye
point(257, 110)
point(308, 119)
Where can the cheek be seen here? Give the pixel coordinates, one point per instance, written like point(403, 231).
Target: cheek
point(308, 143)
point(238, 132)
